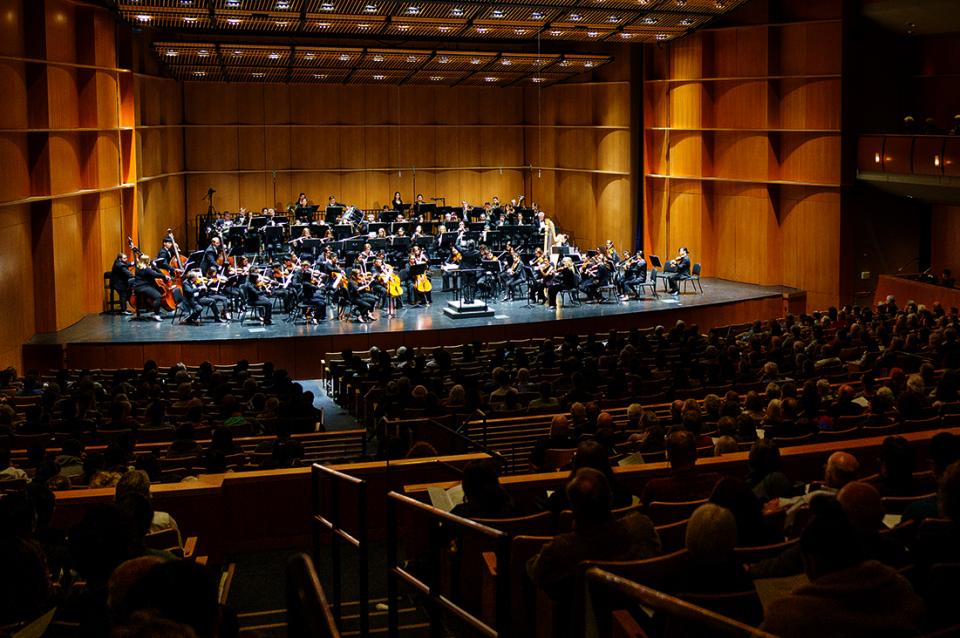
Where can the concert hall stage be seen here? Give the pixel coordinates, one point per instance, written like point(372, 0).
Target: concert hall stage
point(110, 341)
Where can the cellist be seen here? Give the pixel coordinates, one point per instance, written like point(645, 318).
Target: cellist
point(145, 285)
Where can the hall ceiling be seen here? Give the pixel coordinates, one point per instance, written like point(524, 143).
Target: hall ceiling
point(305, 40)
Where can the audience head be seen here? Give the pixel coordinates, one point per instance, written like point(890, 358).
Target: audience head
point(829, 542)
point(711, 533)
point(863, 506)
point(604, 421)
point(590, 498)
point(181, 591)
point(559, 426)
point(842, 467)
point(681, 449)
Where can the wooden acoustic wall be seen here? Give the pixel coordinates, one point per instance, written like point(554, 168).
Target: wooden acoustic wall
point(742, 149)
point(64, 131)
point(566, 147)
point(944, 238)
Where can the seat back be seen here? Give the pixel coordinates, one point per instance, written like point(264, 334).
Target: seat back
point(658, 572)
point(742, 606)
point(556, 458)
point(757, 553)
point(696, 269)
point(539, 524)
point(673, 536)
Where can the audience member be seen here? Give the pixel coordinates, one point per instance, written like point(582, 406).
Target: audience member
point(685, 483)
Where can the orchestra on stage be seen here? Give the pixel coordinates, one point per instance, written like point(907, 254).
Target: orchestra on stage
point(364, 265)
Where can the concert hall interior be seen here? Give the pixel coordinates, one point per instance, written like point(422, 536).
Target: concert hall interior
point(213, 181)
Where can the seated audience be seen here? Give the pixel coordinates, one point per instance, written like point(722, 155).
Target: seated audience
point(483, 496)
point(685, 483)
point(559, 439)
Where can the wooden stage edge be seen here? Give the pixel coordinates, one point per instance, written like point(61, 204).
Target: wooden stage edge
point(302, 356)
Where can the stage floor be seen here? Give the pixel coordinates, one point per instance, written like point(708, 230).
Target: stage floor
point(114, 329)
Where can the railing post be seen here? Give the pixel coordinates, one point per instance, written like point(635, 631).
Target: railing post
point(335, 549)
point(362, 550)
point(393, 614)
point(504, 601)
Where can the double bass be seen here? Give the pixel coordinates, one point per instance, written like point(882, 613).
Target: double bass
point(170, 290)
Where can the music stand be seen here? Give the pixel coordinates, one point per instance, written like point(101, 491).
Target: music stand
point(306, 212)
point(655, 262)
point(388, 216)
point(427, 209)
point(374, 227)
point(401, 243)
point(258, 222)
point(341, 231)
point(528, 277)
point(333, 213)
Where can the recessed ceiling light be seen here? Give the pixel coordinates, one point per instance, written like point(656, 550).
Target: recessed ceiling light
point(189, 19)
point(283, 5)
point(363, 26)
point(186, 3)
point(443, 29)
point(143, 17)
point(436, 78)
point(378, 58)
point(323, 25)
point(564, 62)
point(411, 58)
point(588, 64)
point(309, 56)
point(443, 60)
point(576, 17)
point(370, 8)
point(456, 11)
point(613, 19)
point(233, 21)
point(662, 36)
point(519, 31)
point(259, 75)
point(403, 27)
point(537, 15)
point(536, 80)
point(680, 3)
point(475, 61)
point(281, 23)
point(626, 36)
point(320, 76)
point(490, 78)
point(326, 6)
point(506, 62)
point(497, 13)
point(592, 34)
point(555, 32)
point(237, 53)
point(203, 53)
point(650, 20)
point(412, 10)
point(199, 74)
point(481, 29)
point(171, 54)
point(233, 4)
point(274, 56)
point(378, 77)
point(686, 22)
point(344, 57)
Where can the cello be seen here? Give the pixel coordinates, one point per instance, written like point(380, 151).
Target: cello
point(170, 290)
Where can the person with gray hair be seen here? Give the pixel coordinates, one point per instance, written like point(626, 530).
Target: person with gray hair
point(713, 567)
point(597, 535)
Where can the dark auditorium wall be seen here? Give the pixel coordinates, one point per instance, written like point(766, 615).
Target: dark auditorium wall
point(945, 238)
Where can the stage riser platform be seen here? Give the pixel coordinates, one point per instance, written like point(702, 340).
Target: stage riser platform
point(302, 355)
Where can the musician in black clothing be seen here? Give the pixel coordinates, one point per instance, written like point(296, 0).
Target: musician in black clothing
point(564, 279)
point(256, 299)
point(310, 284)
point(216, 291)
point(210, 255)
point(593, 278)
point(165, 255)
point(397, 201)
point(360, 297)
point(144, 284)
point(469, 263)
point(120, 280)
point(681, 268)
point(194, 302)
point(634, 274)
point(512, 277)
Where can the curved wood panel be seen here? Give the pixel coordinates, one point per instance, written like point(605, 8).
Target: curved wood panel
point(897, 154)
point(870, 153)
point(951, 157)
point(928, 155)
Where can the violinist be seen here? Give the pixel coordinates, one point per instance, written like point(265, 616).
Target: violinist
point(634, 274)
point(255, 298)
point(595, 275)
point(392, 289)
point(120, 280)
point(417, 233)
point(145, 285)
point(366, 255)
point(449, 270)
point(565, 279)
point(490, 271)
point(214, 290)
point(194, 302)
point(512, 277)
point(677, 268)
point(358, 285)
point(310, 283)
point(408, 279)
point(611, 252)
point(212, 255)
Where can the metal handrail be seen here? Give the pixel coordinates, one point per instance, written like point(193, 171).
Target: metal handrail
point(358, 539)
point(437, 603)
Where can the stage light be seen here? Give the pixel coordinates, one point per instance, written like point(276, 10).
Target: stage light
point(320, 76)
point(378, 58)
point(536, 15)
point(199, 74)
point(435, 78)
point(443, 60)
point(378, 77)
point(171, 54)
point(576, 17)
point(259, 75)
point(592, 34)
point(497, 13)
point(626, 36)
point(203, 53)
point(143, 17)
point(274, 56)
point(876, 158)
point(189, 19)
point(649, 20)
point(413, 10)
point(505, 62)
point(613, 19)
point(344, 57)
point(481, 29)
point(490, 78)
point(456, 11)
point(327, 6)
point(233, 21)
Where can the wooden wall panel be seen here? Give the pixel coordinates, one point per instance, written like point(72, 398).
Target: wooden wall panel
point(576, 149)
point(68, 253)
point(613, 150)
point(13, 87)
point(739, 104)
point(14, 167)
point(65, 173)
point(684, 58)
point(16, 282)
point(689, 155)
point(810, 49)
point(748, 238)
point(212, 149)
point(615, 217)
point(687, 103)
point(810, 223)
point(62, 97)
point(809, 104)
point(741, 155)
point(251, 149)
point(60, 36)
point(611, 104)
point(810, 159)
